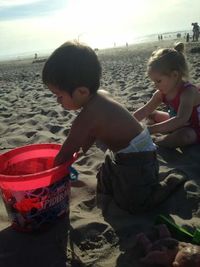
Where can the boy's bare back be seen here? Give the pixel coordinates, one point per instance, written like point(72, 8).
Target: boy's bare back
point(106, 120)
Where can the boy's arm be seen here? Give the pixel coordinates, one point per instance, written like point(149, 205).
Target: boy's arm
point(149, 107)
point(78, 137)
point(182, 117)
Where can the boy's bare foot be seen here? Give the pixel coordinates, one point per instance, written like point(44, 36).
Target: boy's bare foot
point(167, 187)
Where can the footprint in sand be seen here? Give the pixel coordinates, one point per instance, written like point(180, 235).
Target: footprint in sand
point(94, 236)
point(88, 205)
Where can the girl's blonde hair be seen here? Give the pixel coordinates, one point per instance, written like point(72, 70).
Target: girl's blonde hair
point(166, 60)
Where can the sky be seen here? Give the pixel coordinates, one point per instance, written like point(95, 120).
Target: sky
point(40, 26)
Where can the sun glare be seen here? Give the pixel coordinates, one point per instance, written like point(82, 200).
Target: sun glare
point(104, 24)
point(7, 3)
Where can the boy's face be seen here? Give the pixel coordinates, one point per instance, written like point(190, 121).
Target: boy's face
point(164, 83)
point(63, 98)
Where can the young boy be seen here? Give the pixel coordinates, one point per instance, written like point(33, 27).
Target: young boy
point(130, 170)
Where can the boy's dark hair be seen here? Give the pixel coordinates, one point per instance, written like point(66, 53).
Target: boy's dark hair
point(72, 65)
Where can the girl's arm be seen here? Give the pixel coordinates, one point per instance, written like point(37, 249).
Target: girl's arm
point(149, 107)
point(183, 115)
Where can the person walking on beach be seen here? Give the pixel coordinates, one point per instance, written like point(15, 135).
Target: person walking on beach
point(196, 30)
point(180, 126)
point(130, 170)
point(187, 37)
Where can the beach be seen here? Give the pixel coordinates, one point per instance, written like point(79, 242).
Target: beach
point(30, 115)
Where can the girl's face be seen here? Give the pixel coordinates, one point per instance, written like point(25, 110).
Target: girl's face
point(164, 83)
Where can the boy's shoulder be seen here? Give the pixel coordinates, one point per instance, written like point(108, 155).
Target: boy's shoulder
point(104, 93)
point(101, 106)
point(100, 102)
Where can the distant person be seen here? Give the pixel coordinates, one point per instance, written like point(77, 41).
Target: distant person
point(187, 37)
point(196, 31)
point(36, 56)
point(180, 126)
point(130, 171)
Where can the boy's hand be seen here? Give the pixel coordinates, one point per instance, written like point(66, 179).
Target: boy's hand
point(59, 159)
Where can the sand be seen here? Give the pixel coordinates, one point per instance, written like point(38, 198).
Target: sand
point(30, 114)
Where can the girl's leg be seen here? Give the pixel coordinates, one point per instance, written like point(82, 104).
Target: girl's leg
point(157, 116)
point(181, 137)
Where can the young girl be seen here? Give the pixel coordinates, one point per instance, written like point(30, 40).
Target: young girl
point(180, 126)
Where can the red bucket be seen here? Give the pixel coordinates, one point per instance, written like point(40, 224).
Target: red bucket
point(34, 192)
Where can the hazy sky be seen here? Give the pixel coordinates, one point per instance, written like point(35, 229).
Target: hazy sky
point(41, 25)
